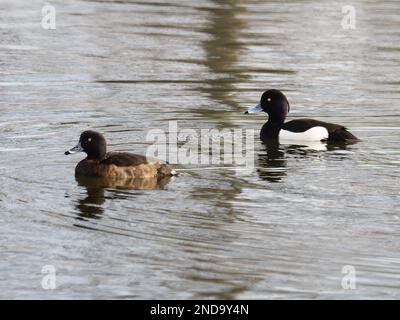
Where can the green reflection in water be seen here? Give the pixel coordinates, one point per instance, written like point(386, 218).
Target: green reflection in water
point(222, 52)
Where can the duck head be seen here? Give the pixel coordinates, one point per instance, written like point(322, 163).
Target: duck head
point(274, 103)
point(92, 143)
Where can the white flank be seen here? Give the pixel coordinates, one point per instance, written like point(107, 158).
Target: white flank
point(313, 134)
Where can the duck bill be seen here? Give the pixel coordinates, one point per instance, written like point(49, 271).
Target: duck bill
point(255, 109)
point(76, 149)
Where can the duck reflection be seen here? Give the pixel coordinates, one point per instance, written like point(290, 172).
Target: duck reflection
point(272, 164)
point(91, 205)
point(340, 145)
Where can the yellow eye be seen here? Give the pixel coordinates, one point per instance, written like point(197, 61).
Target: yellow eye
point(269, 99)
point(89, 139)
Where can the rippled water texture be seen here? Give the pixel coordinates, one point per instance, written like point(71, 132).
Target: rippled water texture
point(283, 230)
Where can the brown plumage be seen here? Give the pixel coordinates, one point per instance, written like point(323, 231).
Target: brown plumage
point(115, 165)
point(145, 170)
point(125, 183)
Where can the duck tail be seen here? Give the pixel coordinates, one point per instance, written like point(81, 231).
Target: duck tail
point(341, 135)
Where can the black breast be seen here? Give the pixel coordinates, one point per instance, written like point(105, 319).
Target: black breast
point(270, 131)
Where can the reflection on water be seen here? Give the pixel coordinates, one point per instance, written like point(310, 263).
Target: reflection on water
point(282, 230)
point(271, 166)
point(91, 205)
point(134, 183)
point(222, 52)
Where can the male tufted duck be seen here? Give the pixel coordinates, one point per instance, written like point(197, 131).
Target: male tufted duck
point(276, 105)
point(119, 165)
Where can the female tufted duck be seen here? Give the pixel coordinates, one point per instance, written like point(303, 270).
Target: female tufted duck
point(119, 165)
point(276, 105)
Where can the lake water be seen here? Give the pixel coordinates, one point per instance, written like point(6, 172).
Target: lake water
point(286, 229)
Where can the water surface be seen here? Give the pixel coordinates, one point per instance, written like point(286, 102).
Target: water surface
point(283, 230)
